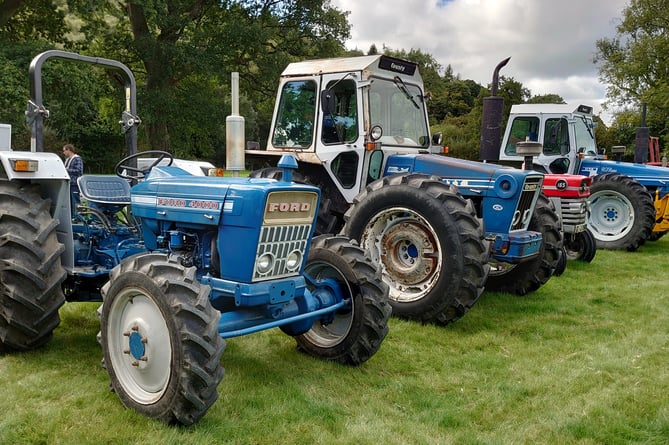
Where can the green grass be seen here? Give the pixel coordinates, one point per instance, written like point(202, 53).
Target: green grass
point(584, 360)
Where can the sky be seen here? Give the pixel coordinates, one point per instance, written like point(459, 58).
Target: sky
point(551, 43)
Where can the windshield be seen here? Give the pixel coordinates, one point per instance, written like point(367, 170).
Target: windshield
point(399, 108)
point(294, 126)
point(585, 138)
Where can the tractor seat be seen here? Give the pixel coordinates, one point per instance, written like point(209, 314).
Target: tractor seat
point(104, 189)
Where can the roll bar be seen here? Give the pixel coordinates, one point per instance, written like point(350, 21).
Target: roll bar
point(36, 112)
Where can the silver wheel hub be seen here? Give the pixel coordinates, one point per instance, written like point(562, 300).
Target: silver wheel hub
point(408, 249)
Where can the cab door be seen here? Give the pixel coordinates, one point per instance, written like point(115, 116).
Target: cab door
point(340, 143)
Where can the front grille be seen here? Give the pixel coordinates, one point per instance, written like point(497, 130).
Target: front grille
point(531, 188)
point(279, 242)
point(573, 211)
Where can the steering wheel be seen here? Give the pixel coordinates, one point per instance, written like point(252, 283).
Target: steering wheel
point(123, 167)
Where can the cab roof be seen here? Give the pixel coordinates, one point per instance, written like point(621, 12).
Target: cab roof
point(375, 64)
point(550, 109)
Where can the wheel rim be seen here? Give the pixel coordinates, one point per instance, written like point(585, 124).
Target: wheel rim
point(327, 335)
point(408, 249)
point(139, 347)
point(574, 246)
point(611, 215)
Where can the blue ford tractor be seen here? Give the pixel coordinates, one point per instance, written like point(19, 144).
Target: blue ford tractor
point(180, 262)
point(441, 228)
point(628, 201)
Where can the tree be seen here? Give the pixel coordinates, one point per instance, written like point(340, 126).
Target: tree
point(635, 63)
point(546, 99)
point(184, 52)
point(21, 21)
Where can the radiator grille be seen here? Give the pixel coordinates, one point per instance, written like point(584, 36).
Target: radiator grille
point(573, 211)
point(531, 188)
point(279, 242)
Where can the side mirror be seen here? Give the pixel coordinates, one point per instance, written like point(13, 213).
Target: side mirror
point(437, 138)
point(328, 101)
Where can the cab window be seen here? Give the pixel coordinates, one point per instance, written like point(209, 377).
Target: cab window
point(294, 126)
point(345, 168)
point(340, 123)
point(523, 128)
point(556, 137)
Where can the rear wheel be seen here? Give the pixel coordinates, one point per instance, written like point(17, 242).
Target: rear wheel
point(622, 214)
point(530, 275)
point(654, 236)
point(356, 331)
point(31, 272)
point(581, 246)
point(159, 336)
point(429, 242)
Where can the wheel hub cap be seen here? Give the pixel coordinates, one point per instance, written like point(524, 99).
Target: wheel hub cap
point(407, 253)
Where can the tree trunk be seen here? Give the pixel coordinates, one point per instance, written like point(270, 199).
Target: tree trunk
point(7, 9)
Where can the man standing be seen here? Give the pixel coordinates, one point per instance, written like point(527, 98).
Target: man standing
point(75, 168)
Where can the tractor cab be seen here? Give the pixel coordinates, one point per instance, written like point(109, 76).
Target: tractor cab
point(566, 133)
point(340, 112)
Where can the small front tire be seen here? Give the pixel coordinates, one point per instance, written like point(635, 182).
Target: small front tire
point(358, 329)
point(159, 336)
point(581, 246)
point(528, 276)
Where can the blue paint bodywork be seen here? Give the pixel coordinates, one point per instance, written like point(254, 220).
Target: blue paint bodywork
point(216, 225)
point(495, 189)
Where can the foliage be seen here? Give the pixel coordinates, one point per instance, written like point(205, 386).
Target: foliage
point(581, 361)
point(182, 54)
point(634, 63)
point(22, 21)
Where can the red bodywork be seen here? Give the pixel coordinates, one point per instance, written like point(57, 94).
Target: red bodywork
point(567, 186)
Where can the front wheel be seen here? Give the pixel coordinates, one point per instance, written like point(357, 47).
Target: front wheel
point(357, 330)
point(429, 242)
point(528, 276)
point(159, 336)
point(581, 246)
point(622, 213)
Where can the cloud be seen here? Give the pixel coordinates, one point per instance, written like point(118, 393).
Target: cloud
point(551, 43)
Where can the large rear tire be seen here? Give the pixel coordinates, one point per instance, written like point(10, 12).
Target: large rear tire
point(159, 337)
point(655, 236)
point(528, 276)
point(581, 246)
point(356, 331)
point(429, 242)
point(31, 272)
point(622, 214)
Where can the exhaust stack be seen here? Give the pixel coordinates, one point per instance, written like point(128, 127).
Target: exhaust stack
point(234, 133)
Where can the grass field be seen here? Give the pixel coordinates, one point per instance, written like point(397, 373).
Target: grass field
point(585, 360)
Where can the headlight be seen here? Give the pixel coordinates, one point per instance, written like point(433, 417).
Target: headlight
point(506, 186)
point(376, 132)
point(294, 260)
point(264, 263)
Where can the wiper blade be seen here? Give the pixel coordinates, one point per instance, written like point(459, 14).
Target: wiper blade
point(403, 88)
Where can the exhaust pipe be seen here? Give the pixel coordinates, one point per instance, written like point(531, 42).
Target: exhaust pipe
point(234, 133)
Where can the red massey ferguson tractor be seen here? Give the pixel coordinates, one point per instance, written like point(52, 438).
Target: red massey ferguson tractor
point(569, 194)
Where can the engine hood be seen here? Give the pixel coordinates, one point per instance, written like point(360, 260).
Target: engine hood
point(471, 177)
point(648, 175)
